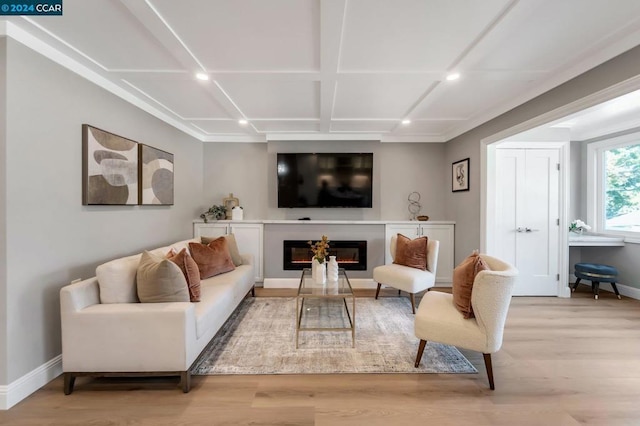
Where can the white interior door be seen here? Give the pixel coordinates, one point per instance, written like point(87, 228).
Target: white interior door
point(527, 209)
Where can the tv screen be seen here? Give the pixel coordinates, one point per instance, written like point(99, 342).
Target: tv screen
point(325, 180)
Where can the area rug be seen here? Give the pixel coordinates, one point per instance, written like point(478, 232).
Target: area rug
point(259, 338)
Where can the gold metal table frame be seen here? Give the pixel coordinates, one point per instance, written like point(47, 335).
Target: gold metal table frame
point(341, 289)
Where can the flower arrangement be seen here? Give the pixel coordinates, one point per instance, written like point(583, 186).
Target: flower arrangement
point(320, 249)
point(217, 212)
point(578, 226)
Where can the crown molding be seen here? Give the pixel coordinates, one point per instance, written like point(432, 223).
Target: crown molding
point(23, 37)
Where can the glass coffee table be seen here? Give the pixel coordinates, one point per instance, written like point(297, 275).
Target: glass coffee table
point(324, 307)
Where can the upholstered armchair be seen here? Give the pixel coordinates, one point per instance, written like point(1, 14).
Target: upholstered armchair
point(406, 278)
point(439, 320)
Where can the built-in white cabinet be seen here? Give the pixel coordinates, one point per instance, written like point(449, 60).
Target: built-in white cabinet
point(249, 237)
point(441, 232)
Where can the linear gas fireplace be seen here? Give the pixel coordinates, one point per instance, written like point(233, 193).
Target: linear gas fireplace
point(351, 255)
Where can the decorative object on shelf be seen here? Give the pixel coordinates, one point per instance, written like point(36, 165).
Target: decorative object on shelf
point(578, 226)
point(414, 206)
point(318, 271)
point(332, 269)
point(320, 250)
point(460, 175)
point(237, 213)
point(156, 176)
point(423, 218)
point(215, 212)
point(229, 203)
point(109, 168)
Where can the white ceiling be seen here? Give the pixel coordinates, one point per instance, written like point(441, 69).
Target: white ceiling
point(333, 69)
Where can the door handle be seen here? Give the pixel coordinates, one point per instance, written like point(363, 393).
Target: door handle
point(518, 229)
point(530, 230)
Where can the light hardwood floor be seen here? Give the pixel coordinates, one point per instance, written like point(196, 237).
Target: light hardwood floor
point(564, 362)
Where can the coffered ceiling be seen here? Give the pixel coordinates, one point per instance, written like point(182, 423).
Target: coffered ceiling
point(332, 69)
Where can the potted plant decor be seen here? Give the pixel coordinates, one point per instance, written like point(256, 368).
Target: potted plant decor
point(320, 250)
point(215, 212)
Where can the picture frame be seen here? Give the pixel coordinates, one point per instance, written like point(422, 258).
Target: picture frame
point(155, 174)
point(460, 176)
point(109, 168)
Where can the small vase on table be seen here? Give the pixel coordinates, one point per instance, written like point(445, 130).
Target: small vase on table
point(318, 271)
point(332, 269)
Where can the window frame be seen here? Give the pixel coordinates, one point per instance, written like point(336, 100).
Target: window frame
point(596, 174)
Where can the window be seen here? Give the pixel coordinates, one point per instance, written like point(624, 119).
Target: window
point(614, 170)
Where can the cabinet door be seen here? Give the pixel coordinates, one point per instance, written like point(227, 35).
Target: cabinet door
point(249, 237)
point(408, 230)
point(444, 234)
point(212, 230)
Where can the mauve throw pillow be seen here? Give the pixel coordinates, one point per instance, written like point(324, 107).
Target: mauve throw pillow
point(232, 245)
point(189, 268)
point(160, 280)
point(412, 253)
point(463, 276)
point(212, 259)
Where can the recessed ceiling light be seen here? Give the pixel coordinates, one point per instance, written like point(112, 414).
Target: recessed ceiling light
point(202, 76)
point(453, 76)
point(242, 122)
point(406, 121)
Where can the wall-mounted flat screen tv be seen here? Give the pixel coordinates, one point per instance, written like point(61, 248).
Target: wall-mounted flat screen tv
point(325, 180)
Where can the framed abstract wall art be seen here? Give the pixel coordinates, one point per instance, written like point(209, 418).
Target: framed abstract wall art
point(156, 176)
point(109, 168)
point(460, 175)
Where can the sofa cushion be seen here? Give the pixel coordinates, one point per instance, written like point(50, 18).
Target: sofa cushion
point(160, 280)
point(412, 253)
point(463, 277)
point(212, 259)
point(189, 269)
point(232, 245)
point(117, 280)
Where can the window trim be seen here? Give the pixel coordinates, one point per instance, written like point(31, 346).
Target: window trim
point(596, 183)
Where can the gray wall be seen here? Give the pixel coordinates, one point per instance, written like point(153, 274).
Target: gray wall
point(464, 207)
point(3, 209)
point(51, 238)
point(249, 171)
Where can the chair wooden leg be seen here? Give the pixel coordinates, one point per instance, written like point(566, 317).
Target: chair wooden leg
point(185, 380)
point(412, 296)
point(378, 290)
point(420, 351)
point(596, 289)
point(487, 364)
point(69, 381)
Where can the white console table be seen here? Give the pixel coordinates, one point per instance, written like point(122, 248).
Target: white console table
point(590, 240)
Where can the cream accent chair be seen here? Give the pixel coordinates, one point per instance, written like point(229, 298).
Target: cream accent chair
point(405, 278)
point(438, 319)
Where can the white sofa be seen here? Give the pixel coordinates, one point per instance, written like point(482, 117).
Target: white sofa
point(107, 332)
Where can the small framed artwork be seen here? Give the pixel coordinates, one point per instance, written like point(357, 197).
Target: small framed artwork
point(460, 175)
point(109, 168)
point(156, 176)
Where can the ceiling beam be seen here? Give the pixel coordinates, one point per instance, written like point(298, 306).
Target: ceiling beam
point(332, 15)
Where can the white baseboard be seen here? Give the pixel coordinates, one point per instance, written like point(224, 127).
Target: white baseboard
point(295, 282)
point(19, 389)
point(355, 283)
